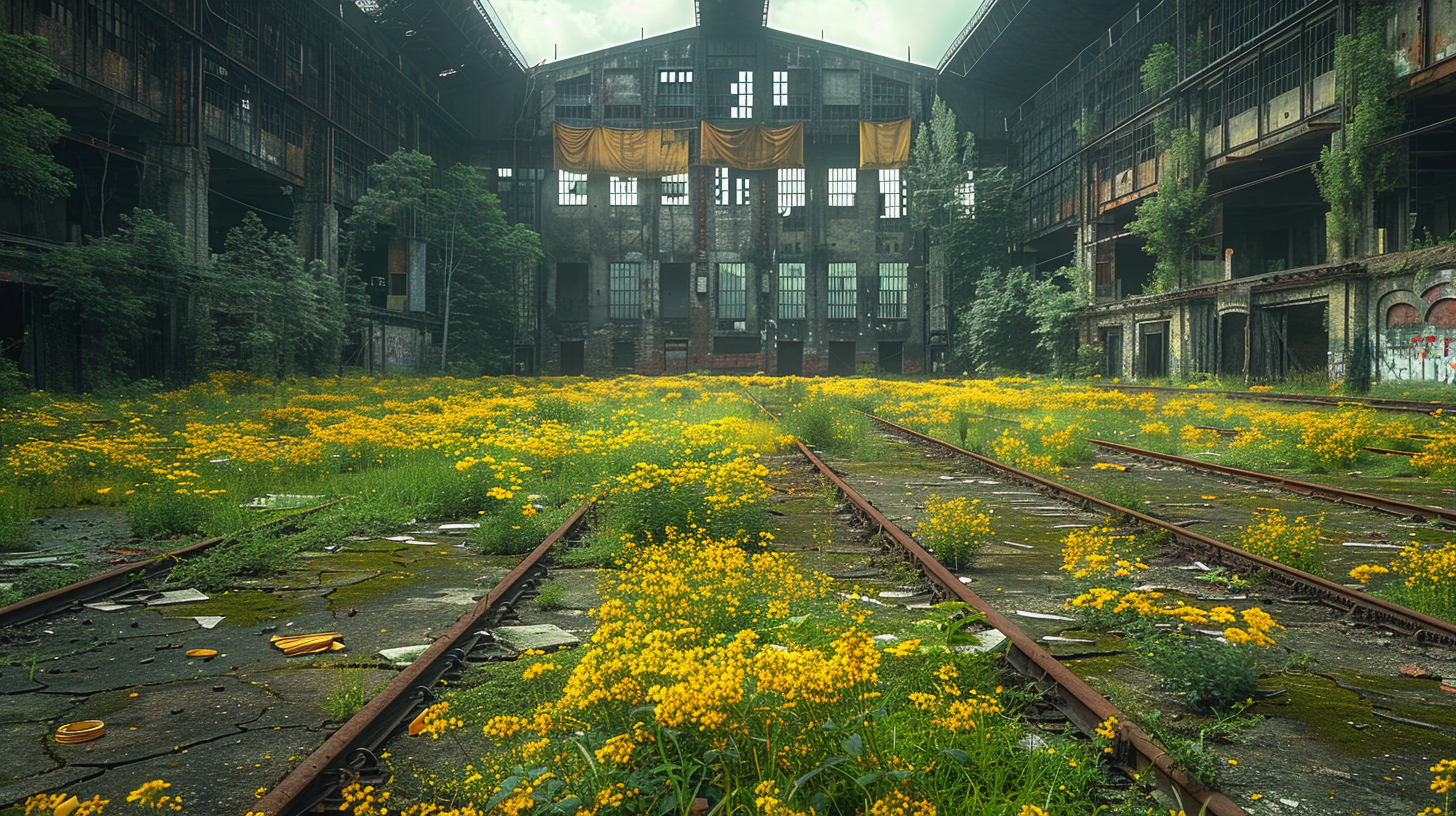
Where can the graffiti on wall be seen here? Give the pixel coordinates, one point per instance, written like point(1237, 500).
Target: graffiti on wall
point(1419, 335)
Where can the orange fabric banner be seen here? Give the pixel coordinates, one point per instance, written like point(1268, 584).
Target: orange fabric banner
point(753, 148)
point(884, 145)
point(637, 153)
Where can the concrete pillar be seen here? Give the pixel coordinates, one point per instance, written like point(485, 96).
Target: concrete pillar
point(185, 175)
point(416, 260)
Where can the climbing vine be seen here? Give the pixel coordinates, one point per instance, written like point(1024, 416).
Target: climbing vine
point(1173, 222)
point(1353, 167)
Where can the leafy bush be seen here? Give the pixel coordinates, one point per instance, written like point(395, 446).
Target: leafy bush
point(511, 533)
point(255, 554)
point(36, 582)
point(550, 598)
point(162, 514)
point(955, 529)
point(1213, 676)
point(1292, 543)
point(825, 426)
point(15, 510)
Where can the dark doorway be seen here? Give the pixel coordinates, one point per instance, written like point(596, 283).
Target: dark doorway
point(525, 361)
point(1232, 343)
point(676, 357)
point(892, 357)
point(573, 358)
point(571, 292)
point(790, 359)
point(674, 290)
point(1296, 339)
point(1153, 338)
point(624, 354)
point(841, 358)
point(1112, 348)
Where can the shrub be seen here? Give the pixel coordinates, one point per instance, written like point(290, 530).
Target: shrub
point(550, 598)
point(824, 426)
point(35, 582)
point(1214, 677)
point(162, 514)
point(15, 510)
point(254, 554)
point(955, 529)
point(1292, 543)
point(511, 533)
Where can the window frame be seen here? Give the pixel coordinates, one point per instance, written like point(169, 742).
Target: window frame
point(733, 300)
point(843, 300)
point(894, 308)
point(676, 200)
point(624, 300)
point(892, 194)
point(566, 186)
point(622, 191)
point(843, 184)
point(793, 283)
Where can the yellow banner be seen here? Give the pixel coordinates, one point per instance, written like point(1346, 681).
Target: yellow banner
point(884, 145)
point(753, 148)
point(637, 153)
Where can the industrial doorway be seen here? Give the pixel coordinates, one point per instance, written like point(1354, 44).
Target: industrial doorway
point(790, 358)
point(1232, 343)
point(841, 358)
point(525, 360)
point(675, 357)
point(892, 357)
point(1112, 349)
point(1153, 350)
point(1296, 338)
point(674, 287)
point(573, 358)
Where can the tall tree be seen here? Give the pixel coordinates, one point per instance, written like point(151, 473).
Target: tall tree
point(28, 133)
point(476, 256)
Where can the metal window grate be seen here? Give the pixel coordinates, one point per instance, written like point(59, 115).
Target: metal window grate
point(623, 192)
point(791, 189)
point(570, 188)
point(675, 94)
point(843, 291)
point(791, 291)
point(892, 194)
point(675, 189)
point(574, 98)
point(743, 90)
point(722, 192)
point(894, 291)
point(732, 291)
point(889, 98)
point(742, 187)
point(842, 181)
point(625, 301)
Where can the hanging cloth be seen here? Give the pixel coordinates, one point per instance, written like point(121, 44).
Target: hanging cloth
point(753, 148)
point(637, 153)
point(884, 145)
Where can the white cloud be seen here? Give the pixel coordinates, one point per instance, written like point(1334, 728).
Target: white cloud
point(572, 27)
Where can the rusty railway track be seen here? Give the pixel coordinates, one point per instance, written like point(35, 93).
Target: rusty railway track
point(1133, 750)
point(49, 603)
point(1378, 403)
point(1384, 504)
point(351, 753)
point(1367, 607)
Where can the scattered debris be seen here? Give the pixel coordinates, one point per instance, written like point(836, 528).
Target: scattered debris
point(1021, 546)
point(469, 525)
point(1372, 546)
point(402, 656)
point(176, 596)
point(1412, 670)
point(83, 731)
point(106, 607)
point(1059, 639)
point(294, 645)
point(986, 641)
point(544, 637)
point(280, 501)
point(1042, 616)
point(208, 621)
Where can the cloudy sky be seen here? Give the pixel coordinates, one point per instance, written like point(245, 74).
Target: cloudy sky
point(881, 26)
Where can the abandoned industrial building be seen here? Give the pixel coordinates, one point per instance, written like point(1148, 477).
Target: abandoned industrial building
point(733, 198)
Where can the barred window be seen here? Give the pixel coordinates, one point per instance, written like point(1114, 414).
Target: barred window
point(791, 189)
point(894, 290)
point(968, 193)
point(675, 189)
point(842, 182)
point(625, 301)
point(722, 192)
point(742, 187)
point(623, 192)
point(780, 89)
point(732, 291)
point(892, 194)
point(791, 291)
point(843, 291)
point(571, 189)
point(743, 89)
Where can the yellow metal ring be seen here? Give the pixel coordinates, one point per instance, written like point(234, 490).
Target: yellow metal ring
point(202, 653)
point(83, 731)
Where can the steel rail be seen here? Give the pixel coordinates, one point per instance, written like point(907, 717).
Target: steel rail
point(50, 603)
point(349, 753)
point(1084, 706)
point(1379, 403)
point(1416, 624)
point(1384, 504)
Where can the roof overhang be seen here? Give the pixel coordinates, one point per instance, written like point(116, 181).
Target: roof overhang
point(1012, 47)
point(731, 13)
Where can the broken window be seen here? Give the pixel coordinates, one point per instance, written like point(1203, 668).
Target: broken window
point(742, 186)
point(791, 291)
point(674, 94)
point(894, 291)
point(624, 301)
point(892, 194)
point(743, 90)
point(843, 291)
point(841, 94)
point(675, 189)
point(791, 189)
point(573, 98)
point(732, 291)
point(623, 192)
point(622, 95)
point(842, 181)
point(968, 193)
point(571, 188)
point(889, 99)
point(722, 193)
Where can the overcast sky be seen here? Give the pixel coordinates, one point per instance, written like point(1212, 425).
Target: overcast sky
point(886, 27)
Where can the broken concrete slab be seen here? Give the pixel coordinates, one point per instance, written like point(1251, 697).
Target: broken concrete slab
point(17, 792)
point(402, 656)
point(545, 637)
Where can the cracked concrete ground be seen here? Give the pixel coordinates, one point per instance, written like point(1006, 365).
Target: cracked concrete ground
point(218, 729)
